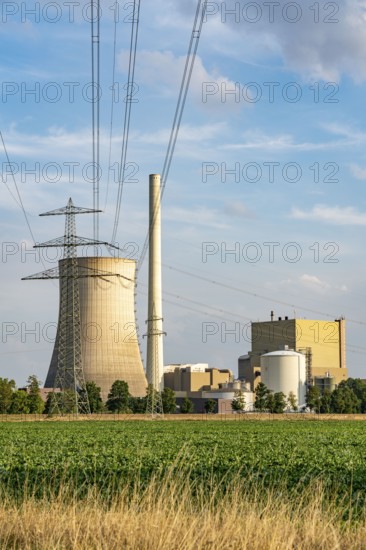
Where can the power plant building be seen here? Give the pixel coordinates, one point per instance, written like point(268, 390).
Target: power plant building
point(323, 343)
point(195, 378)
point(109, 342)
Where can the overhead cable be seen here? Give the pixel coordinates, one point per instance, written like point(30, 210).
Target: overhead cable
point(127, 116)
point(186, 79)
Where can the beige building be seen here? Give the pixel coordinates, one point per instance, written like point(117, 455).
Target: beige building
point(195, 378)
point(322, 342)
point(109, 342)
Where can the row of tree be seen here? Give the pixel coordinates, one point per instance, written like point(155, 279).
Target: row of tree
point(348, 398)
point(28, 400)
point(13, 401)
point(268, 401)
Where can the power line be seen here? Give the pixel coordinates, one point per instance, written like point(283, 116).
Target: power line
point(127, 116)
point(95, 69)
point(242, 291)
point(220, 310)
point(353, 348)
point(112, 109)
point(19, 201)
point(186, 79)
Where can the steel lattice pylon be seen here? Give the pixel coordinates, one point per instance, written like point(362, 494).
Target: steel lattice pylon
point(70, 374)
point(154, 403)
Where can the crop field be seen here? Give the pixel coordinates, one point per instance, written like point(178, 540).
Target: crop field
point(108, 454)
point(282, 475)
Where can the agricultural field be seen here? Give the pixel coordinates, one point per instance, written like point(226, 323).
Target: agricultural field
point(93, 484)
point(101, 454)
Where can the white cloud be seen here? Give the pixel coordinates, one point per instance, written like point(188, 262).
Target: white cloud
point(358, 172)
point(352, 135)
point(313, 282)
point(239, 210)
point(256, 139)
point(323, 44)
point(199, 216)
point(163, 70)
point(336, 215)
point(187, 132)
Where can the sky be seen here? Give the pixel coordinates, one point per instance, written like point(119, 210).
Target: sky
point(265, 205)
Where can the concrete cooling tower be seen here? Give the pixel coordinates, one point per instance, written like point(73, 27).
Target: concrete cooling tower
point(109, 342)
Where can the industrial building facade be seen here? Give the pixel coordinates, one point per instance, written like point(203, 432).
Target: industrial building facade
point(322, 342)
point(195, 378)
point(200, 383)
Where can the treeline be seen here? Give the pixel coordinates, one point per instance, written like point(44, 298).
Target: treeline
point(348, 398)
point(13, 401)
point(28, 400)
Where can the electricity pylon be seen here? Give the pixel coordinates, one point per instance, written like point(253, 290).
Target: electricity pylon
point(154, 402)
point(69, 373)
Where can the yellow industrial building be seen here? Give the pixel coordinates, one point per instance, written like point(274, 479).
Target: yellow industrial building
point(322, 342)
point(195, 378)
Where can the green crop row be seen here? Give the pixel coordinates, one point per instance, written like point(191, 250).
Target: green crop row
point(42, 457)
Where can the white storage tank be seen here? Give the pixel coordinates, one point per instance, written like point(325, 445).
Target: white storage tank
point(285, 371)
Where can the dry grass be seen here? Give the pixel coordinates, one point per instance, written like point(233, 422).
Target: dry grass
point(176, 515)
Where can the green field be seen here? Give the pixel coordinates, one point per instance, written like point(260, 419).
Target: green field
point(110, 455)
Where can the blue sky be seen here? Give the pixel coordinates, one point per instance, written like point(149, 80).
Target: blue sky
point(282, 161)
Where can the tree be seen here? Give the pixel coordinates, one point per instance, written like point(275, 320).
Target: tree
point(186, 406)
point(35, 401)
point(260, 403)
point(119, 397)
point(210, 406)
point(238, 403)
point(7, 388)
point(313, 398)
point(94, 397)
point(169, 402)
point(279, 402)
point(137, 404)
point(359, 389)
point(344, 401)
point(51, 405)
point(292, 401)
point(270, 402)
point(65, 402)
point(326, 402)
point(19, 402)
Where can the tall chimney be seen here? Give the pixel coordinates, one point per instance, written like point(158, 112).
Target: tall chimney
point(154, 357)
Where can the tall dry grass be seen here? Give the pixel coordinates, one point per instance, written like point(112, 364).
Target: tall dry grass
point(178, 514)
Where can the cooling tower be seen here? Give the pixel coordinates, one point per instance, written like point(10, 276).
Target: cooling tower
point(109, 342)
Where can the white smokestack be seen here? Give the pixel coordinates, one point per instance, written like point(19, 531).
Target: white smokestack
point(154, 359)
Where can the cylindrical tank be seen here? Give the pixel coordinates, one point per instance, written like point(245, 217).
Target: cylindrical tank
point(285, 371)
